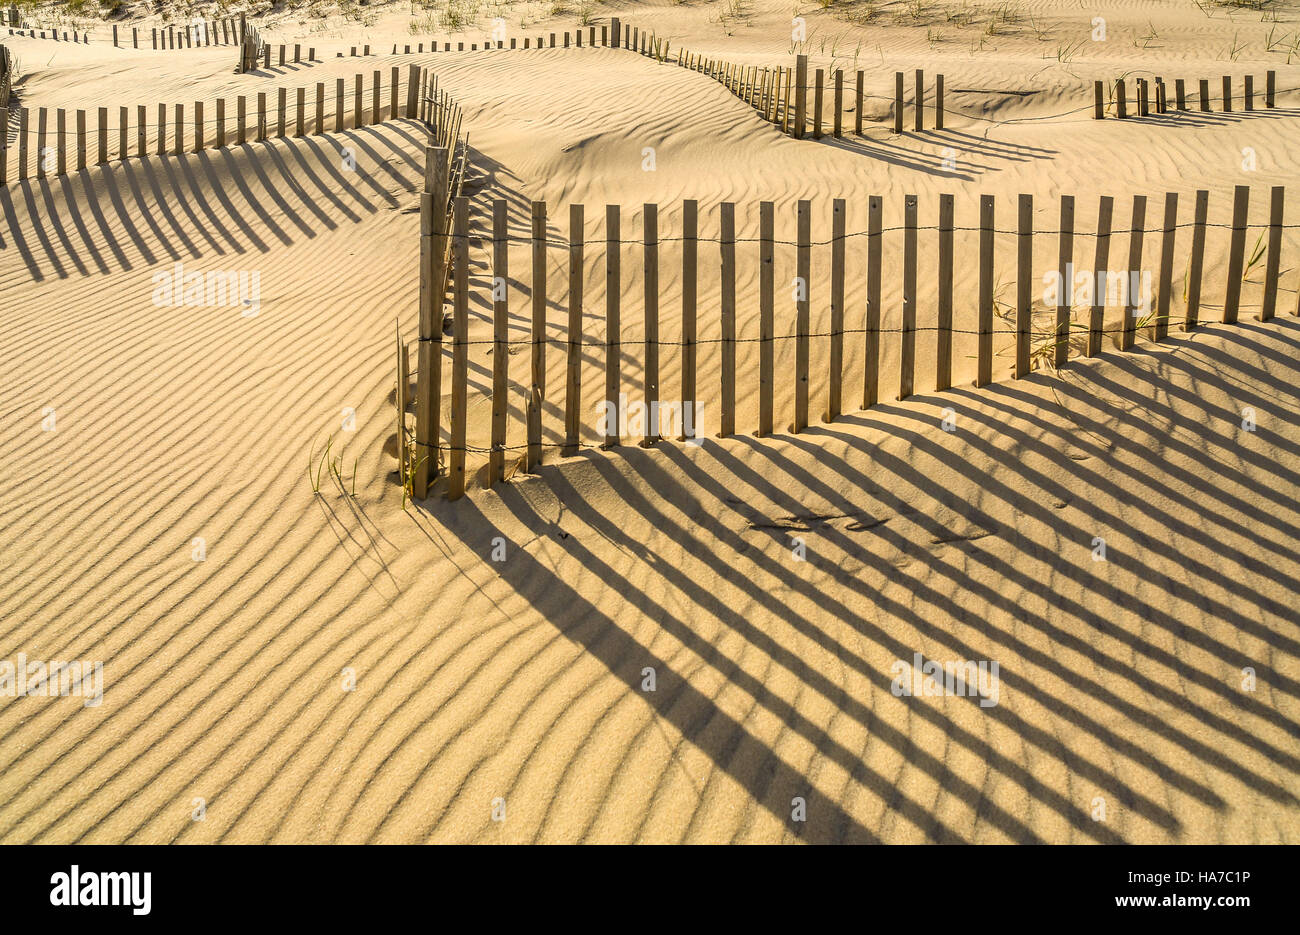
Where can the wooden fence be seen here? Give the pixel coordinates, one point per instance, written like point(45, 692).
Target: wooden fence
point(1160, 102)
point(6, 77)
point(34, 33)
point(819, 348)
point(54, 142)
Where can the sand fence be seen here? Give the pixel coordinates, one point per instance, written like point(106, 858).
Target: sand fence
point(802, 335)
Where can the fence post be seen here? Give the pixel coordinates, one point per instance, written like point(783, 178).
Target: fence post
point(871, 323)
point(339, 114)
point(460, 353)
point(984, 370)
point(198, 126)
point(690, 226)
point(179, 120)
point(1273, 265)
point(1134, 270)
point(1098, 101)
point(938, 102)
point(1205, 95)
point(727, 425)
point(61, 128)
point(943, 331)
point(101, 137)
point(907, 337)
point(1121, 100)
point(766, 314)
point(1065, 284)
point(803, 315)
point(1100, 265)
point(1161, 328)
point(537, 390)
point(800, 95)
point(650, 243)
point(500, 349)
point(1180, 94)
point(1236, 253)
point(898, 102)
point(358, 101)
point(857, 107)
point(261, 115)
point(1227, 94)
point(1024, 283)
point(4, 145)
point(919, 101)
point(573, 384)
point(1270, 88)
point(399, 400)
point(1248, 92)
point(839, 103)
point(817, 104)
point(141, 120)
point(834, 395)
point(282, 108)
point(1197, 259)
point(613, 328)
point(412, 90)
point(320, 107)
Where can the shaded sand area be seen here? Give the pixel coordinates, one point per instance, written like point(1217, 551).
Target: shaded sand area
point(337, 667)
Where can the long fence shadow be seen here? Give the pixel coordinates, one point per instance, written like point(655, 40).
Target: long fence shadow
point(1028, 459)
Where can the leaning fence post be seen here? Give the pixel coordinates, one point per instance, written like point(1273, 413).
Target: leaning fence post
point(1272, 265)
point(984, 368)
point(1236, 253)
point(460, 354)
point(1197, 259)
point(1065, 284)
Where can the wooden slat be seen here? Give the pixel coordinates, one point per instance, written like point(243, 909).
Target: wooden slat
point(871, 320)
point(613, 327)
point(943, 331)
point(803, 314)
point(1236, 253)
point(857, 106)
point(766, 314)
point(650, 245)
point(500, 347)
point(918, 103)
point(1065, 283)
point(1197, 261)
point(1136, 231)
point(101, 138)
point(1024, 283)
point(834, 395)
point(339, 113)
point(727, 244)
point(1273, 264)
point(984, 367)
point(690, 350)
point(801, 95)
point(1100, 267)
point(460, 353)
point(537, 389)
point(1160, 328)
point(573, 383)
point(907, 338)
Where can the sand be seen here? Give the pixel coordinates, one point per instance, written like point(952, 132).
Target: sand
point(344, 667)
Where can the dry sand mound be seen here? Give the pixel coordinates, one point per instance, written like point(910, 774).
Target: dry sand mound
point(1122, 682)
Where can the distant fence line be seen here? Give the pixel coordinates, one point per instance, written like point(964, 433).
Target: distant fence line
point(57, 144)
point(1162, 105)
point(1034, 344)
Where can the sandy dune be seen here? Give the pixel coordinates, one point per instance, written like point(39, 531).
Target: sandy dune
point(524, 679)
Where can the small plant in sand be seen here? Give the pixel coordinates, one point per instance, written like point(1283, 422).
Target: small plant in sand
point(1065, 52)
point(586, 12)
point(1234, 50)
point(317, 468)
